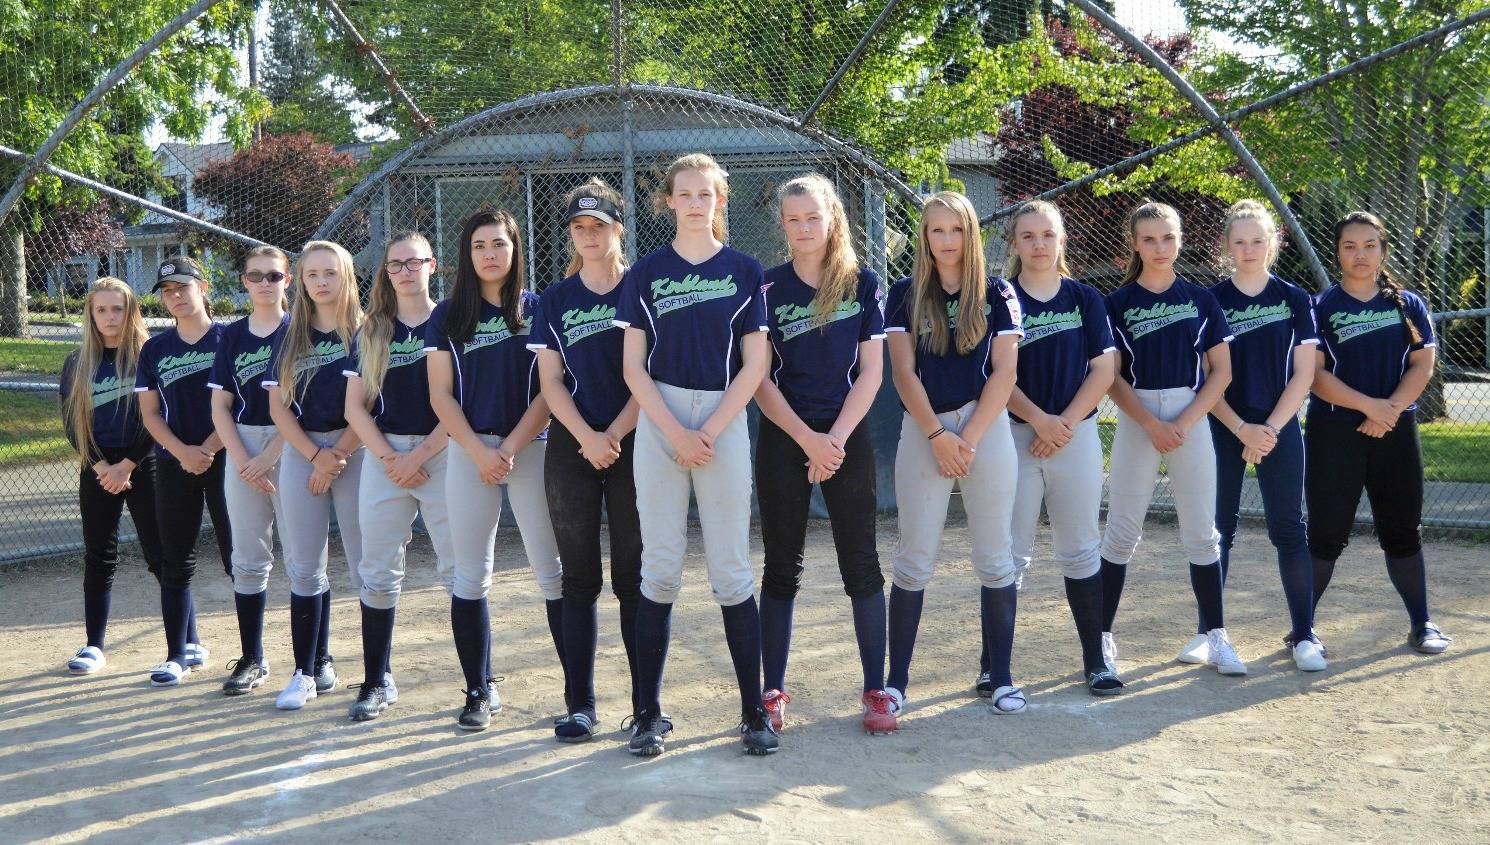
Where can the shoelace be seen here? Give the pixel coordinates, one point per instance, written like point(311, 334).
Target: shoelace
point(880, 704)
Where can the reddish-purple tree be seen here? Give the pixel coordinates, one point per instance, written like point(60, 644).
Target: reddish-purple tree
point(1097, 135)
point(71, 231)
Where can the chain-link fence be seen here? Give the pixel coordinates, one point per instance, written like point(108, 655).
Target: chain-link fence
point(137, 134)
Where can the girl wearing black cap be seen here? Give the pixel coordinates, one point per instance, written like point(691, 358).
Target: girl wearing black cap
point(176, 407)
point(589, 455)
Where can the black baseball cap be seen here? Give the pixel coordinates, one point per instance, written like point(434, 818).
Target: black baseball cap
point(179, 269)
point(597, 207)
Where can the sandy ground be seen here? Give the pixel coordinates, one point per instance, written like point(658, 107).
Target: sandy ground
point(1385, 746)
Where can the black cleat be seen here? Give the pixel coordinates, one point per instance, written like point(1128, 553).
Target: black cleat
point(757, 734)
point(647, 732)
point(246, 676)
point(371, 701)
point(325, 672)
point(476, 715)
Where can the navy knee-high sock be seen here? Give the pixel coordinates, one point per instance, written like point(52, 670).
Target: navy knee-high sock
point(1410, 577)
point(1084, 595)
point(1206, 582)
point(1225, 564)
point(377, 642)
point(1324, 570)
point(776, 638)
point(654, 627)
point(1296, 570)
point(869, 630)
point(96, 615)
point(250, 609)
point(470, 622)
point(983, 652)
point(1113, 576)
point(323, 633)
point(191, 620)
point(999, 604)
point(905, 619)
point(628, 639)
point(554, 610)
point(742, 632)
point(580, 630)
point(175, 609)
point(305, 630)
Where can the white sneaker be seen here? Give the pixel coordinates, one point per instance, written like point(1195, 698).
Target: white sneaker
point(196, 654)
point(1109, 651)
point(87, 661)
point(1196, 651)
point(1308, 657)
point(168, 674)
point(1222, 655)
point(300, 690)
point(390, 689)
point(897, 700)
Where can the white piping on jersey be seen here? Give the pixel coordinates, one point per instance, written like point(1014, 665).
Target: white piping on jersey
point(559, 342)
point(1132, 358)
point(653, 324)
point(849, 376)
point(729, 348)
point(1199, 355)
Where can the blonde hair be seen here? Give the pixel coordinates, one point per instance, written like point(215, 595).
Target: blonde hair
point(376, 332)
point(840, 278)
point(598, 189)
point(77, 412)
point(1149, 210)
point(274, 252)
point(1254, 211)
point(1012, 266)
point(929, 302)
point(303, 311)
point(705, 164)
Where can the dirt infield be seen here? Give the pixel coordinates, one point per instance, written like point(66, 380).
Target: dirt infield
point(1385, 746)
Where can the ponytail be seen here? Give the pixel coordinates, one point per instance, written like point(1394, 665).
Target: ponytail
point(1149, 210)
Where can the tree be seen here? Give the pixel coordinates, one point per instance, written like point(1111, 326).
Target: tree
point(298, 82)
point(51, 56)
point(1073, 124)
point(278, 189)
point(71, 230)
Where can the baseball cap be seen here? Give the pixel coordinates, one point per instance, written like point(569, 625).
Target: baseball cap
point(597, 207)
point(179, 269)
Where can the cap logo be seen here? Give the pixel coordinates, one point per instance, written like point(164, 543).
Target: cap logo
point(168, 269)
point(589, 203)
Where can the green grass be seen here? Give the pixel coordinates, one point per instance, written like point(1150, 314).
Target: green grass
point(1456, 451)
point(31, 429)
point(43, 357)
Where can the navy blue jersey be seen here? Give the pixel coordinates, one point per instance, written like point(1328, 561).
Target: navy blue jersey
point(402, 406)
point(580, 325)
point(695, 315)
point(1265, 329)
point(320, 400)
point(178, 371)
point(953, 380)
point(1163, 337)
point(1367, 345)
point(116, 416)
point(815, 364)
point(239, 368)
point(496, 374)
point(1061, 337)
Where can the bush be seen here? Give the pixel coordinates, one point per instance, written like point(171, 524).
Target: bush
point(48, 304)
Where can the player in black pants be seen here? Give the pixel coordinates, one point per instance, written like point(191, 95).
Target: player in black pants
point(1377, 357)
point(102, 422)
point(176, 407)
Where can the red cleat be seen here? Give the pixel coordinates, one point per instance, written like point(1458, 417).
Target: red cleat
point(880, 710)
point(775, 702)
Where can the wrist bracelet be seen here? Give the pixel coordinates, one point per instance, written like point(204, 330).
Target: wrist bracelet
point(935, 434)
point(316, 455)
point(1238, 430)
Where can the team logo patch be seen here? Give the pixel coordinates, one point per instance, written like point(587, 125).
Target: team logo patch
point(168, 269)
point(589, 203)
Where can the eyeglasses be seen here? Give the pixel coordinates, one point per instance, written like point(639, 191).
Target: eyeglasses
point(411, 264)
point(273, 277)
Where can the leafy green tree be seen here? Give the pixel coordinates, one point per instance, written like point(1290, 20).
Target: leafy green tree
point(299, 82)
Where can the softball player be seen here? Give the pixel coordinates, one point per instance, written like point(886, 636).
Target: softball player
point(1065, 366)
point(954, 340)
point(102, 422)
point(589, 458)
point(387, 405)
point(1256, 421)
point(1377, 357)
point(695, 352)
point(240, 415)
point(323, 461)
point(176, 408)
point(827, 329)
point(1175, 365)
point(483, 385)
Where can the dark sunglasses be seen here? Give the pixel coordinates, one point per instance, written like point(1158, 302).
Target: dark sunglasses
point(411, 264)
point(273, 277)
